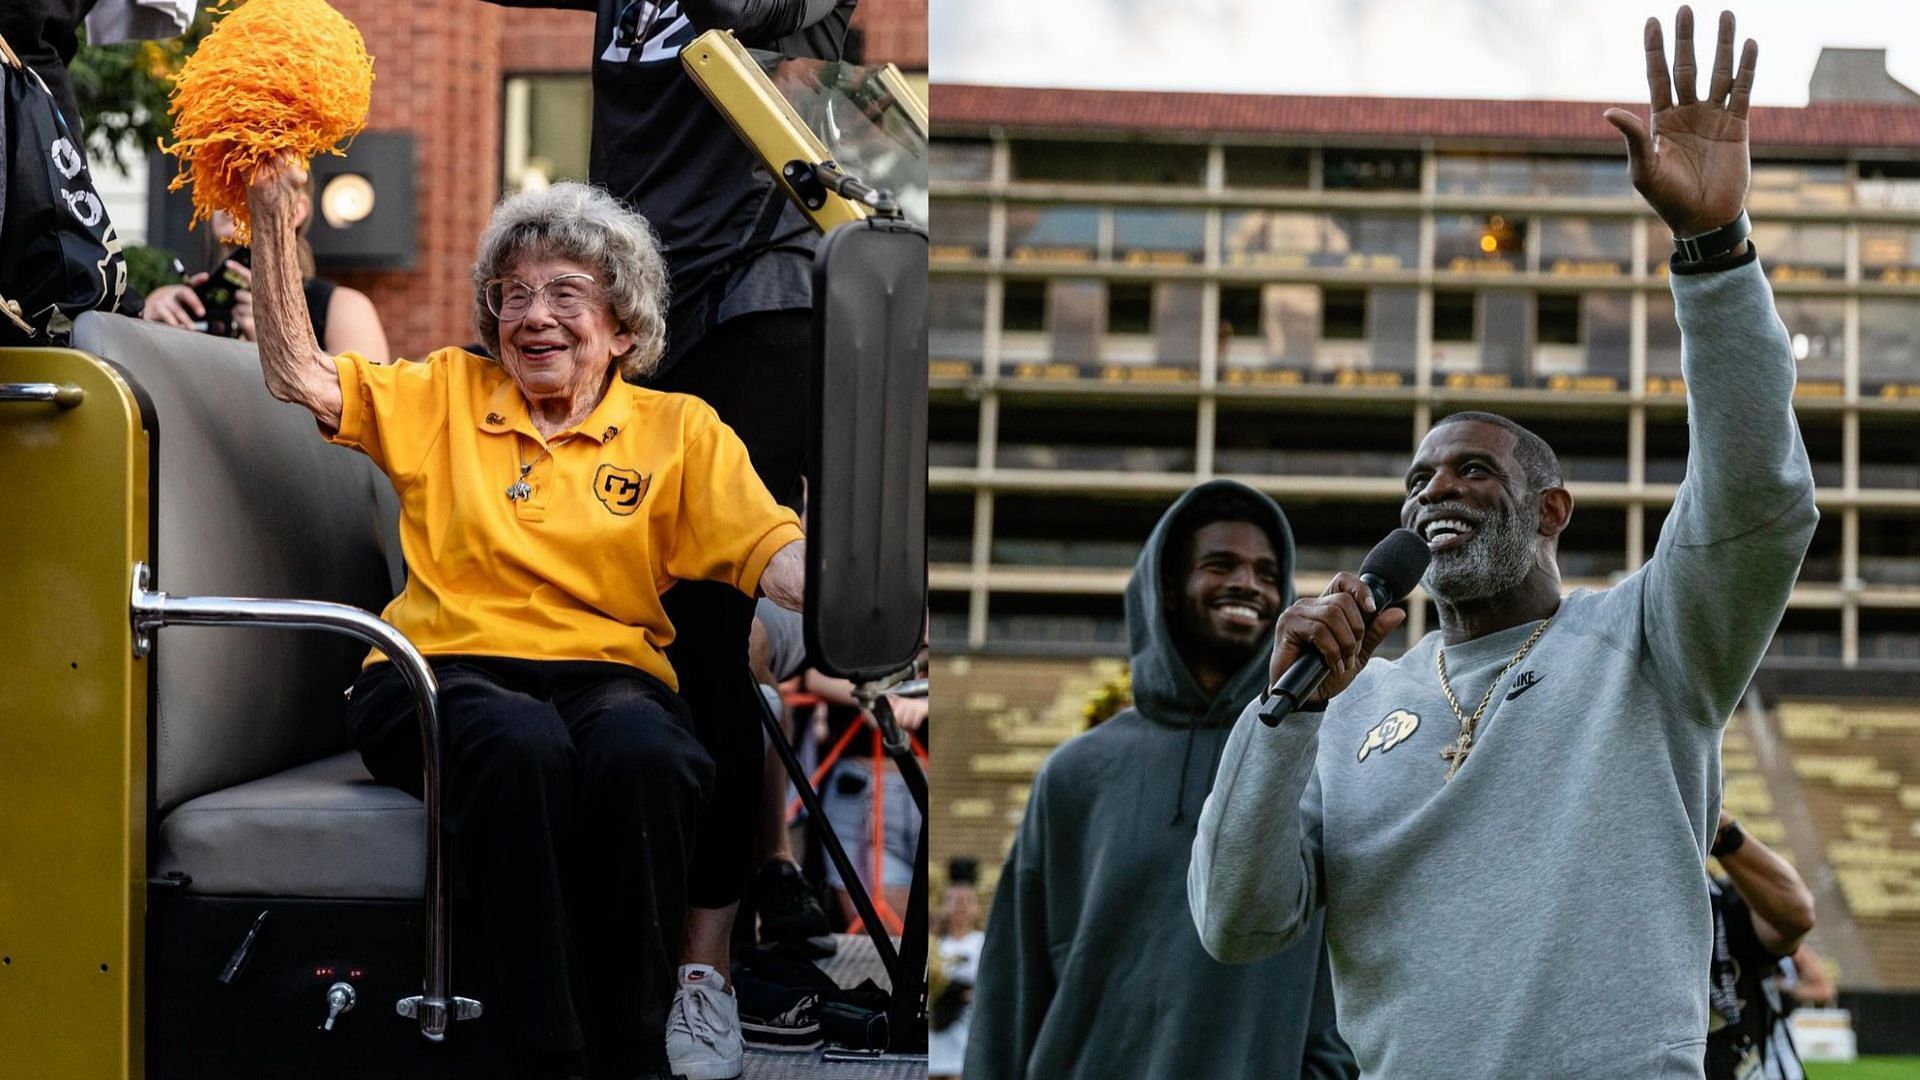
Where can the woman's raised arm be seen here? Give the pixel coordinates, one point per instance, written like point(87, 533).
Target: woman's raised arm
point(296, 368)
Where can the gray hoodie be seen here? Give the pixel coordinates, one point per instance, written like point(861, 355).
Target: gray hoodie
point(1091, 966)
point(1545, 912)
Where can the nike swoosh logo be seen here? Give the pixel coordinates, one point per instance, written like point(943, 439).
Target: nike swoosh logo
point(1526, 681)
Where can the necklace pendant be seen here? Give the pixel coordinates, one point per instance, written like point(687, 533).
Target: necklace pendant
point(519, 491)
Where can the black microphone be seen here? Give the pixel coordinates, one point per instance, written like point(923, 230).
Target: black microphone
point(1390, 571)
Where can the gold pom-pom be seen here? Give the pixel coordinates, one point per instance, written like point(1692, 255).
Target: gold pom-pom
point(1113, 697)
point(274, 77)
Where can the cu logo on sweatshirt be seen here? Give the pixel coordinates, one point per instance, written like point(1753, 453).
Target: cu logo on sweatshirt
point(1389, 733)
point(620, 490)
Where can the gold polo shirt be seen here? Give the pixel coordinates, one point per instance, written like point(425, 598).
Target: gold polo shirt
point(649, 489)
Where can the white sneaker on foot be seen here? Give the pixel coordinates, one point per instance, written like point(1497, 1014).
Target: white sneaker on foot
point(703, 1027)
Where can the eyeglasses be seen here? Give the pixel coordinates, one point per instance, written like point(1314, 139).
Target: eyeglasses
point(567, 295)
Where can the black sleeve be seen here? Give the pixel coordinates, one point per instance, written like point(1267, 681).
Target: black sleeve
point(757, 18)
point(1742, 942)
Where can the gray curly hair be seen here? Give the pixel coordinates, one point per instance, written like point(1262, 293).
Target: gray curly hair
point(588, 226)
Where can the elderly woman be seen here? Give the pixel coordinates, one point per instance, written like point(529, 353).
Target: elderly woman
point(546, 504)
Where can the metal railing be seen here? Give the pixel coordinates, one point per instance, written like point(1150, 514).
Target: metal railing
point(434, 1007)
point(65, 395)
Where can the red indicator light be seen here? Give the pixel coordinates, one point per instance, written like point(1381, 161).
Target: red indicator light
point(323, 972)
point(354, 973)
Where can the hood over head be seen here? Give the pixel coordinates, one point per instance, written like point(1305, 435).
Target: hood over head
point(1164, 691)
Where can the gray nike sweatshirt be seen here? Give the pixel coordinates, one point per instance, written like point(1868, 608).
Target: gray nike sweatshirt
point(1544, 913)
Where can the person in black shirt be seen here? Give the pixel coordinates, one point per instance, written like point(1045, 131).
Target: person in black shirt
point(344, 319)
point(45, 35)
point(1762, 911)
point(739, 336)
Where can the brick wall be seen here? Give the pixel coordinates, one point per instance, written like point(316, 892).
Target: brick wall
point(436, 74)
point(546, 41)
point(896, 32)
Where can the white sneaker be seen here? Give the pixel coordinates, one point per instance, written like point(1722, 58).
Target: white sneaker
point(703, 1027)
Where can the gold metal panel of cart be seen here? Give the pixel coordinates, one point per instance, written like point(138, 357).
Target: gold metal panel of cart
point(721, 67)
point(73, 701)
point(901, 92)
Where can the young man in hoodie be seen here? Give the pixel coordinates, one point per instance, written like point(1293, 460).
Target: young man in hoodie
point(1506, 825)
point(1091, 967)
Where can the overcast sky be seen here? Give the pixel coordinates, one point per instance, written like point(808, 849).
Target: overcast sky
point(1576, 49)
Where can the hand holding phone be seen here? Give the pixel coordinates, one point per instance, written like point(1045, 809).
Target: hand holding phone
point(219, 292)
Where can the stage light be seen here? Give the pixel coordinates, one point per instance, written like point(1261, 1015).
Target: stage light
point(347, 198)
point(364, 215)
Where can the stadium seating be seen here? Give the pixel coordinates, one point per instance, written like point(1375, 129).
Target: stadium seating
point(1003, 728)
point(1858, 767)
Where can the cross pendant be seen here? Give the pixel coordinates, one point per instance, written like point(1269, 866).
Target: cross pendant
point(1454, 756)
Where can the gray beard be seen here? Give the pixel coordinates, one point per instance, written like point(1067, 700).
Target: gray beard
point(1499, 557)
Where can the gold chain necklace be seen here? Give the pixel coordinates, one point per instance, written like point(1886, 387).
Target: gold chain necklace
point(1456, 755)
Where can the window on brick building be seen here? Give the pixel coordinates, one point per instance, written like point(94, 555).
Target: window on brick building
point(1024, 307)
point(547, 128)
point(1269, 166)
point(1452, 316)
point(1558, 319)
point(1344, 315)
point(950, 513)
point(956, 316)
point(960, 159)
point(1108, 163)
point(1129, 308)
point(1371, 170)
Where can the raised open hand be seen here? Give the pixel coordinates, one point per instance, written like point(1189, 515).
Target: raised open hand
point(1692, 167)
point(276, 189)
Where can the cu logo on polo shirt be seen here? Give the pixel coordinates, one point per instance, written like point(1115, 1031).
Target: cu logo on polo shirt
point(620, 490)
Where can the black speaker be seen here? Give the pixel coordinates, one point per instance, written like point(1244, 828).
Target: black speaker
point(363, 205)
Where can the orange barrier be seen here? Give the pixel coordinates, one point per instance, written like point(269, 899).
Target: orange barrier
point(877, 850)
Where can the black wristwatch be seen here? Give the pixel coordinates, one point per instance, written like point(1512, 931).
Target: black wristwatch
point(1728, 840)
point(1712, 245)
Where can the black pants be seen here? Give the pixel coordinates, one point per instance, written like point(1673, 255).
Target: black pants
point(754, 370)
point(571, 792)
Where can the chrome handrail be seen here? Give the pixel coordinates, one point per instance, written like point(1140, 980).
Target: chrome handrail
point(151, 610)
point(65, 395)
